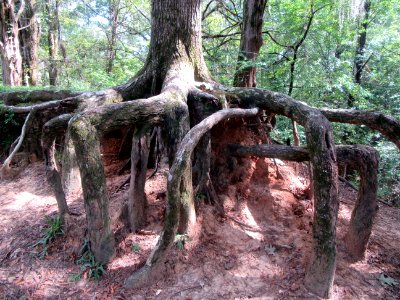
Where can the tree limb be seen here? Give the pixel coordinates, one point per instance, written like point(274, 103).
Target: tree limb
point(28, 119)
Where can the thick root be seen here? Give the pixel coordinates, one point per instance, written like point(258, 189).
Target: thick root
point(176, 194)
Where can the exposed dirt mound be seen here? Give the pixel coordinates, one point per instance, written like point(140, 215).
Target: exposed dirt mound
point(259, 250)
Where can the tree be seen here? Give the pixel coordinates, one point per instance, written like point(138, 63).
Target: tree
point(29, 40)
point(359, 59)
point(173, 76)
point(53, 38)
point(10, 14)
point(250, 43)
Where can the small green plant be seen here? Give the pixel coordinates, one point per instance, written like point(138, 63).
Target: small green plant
point(89, 264)
point(270, 249)
point(181, 240)
point(135, 247)
point(387, 280)
point(74, 277)
point(53, 228)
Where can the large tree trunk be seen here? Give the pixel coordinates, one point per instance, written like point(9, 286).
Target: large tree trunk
point(250, 43)
point(11, 60)
point(29, 39)
point(175, 60)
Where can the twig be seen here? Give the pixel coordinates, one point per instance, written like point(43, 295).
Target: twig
point(186, 289)
point(125, 182)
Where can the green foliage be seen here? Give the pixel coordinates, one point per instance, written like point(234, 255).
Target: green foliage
point(88, 263)
point(181, 240)
point(74, 277)
point(270, 249)
point(53, 228)
point(135, 247)
point(387, 280)
point(9, 128)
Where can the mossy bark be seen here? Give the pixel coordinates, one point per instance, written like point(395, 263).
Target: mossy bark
point(71, 178)
point(137, 201)
point(364, 159)
point(50, 131)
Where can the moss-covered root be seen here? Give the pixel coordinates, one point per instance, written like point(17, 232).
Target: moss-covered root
point(50, 131)
point(182, 160)
point(137, 198)
point(71, 178)
point(87, 148)
point(321, 271)
point(365, 160)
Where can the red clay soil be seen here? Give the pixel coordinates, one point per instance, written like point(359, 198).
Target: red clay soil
point(259, 250)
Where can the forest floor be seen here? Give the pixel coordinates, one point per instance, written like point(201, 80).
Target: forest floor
point(259, 250)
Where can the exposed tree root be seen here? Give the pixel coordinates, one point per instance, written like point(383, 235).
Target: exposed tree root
point(360, 157)
point(386, 125)
point(137, 201)
point(98, 112)
point(25, 97)
point(174, 192)
point(50, 131)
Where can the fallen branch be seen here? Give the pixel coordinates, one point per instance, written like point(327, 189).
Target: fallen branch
point(7, 162)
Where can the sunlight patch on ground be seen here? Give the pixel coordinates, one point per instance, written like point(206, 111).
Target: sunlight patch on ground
point(25, 200)
point(251, 222)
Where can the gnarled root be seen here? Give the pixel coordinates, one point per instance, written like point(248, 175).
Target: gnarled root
point(176, 195)
point(364, 159)
point(50, 131)
point(137, 198)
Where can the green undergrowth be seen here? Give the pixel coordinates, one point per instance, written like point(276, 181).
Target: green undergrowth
point(88, 264)
point(53, 229)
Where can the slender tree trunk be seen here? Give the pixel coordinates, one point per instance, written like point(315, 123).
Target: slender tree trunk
point(359, 59)
point(250, 43)
point(114, 10)
point(11, 60)
point(53, 38)
point(29, 40)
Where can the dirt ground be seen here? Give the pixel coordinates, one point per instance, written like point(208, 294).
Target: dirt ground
point(259, 251)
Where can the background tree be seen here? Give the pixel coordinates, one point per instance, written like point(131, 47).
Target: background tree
point(29, 34)
point(250, 43)
point(10, 14)
point(53, 38)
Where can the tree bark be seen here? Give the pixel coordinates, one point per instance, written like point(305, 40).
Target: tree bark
point(53, 38)
point(114, 10)
point(29, 40)
point(250, 43)
point(359, 59)
point(137, 201)
point(25, 97)
point(51, 130)
point(10, 54)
